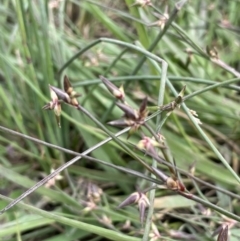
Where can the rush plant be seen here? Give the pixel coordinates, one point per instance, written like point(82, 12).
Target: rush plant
point(145, 144)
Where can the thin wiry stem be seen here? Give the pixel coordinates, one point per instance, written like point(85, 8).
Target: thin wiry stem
point(159, 60)
point(211, 205)
point(173, 16)
point(154, 163)
point(217, 85)
point(156, 77)
point(112, 41)
point(80, 52)
point(160, 160)
point(190, 176)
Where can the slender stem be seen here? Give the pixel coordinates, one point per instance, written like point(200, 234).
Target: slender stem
point(198, 190)
point(133, 47)
point(113, 41)
point(27, 54)
point(190, 176)
point(185, 36)
point(155, 77)
point(105, 74)
point(227, 82)
point(154, 163)
point(115, 61)
point(211, 205)
point(64, 166)
point(163, 121)
point(173, 16)
point(150, 188)
point(160, 103)
point(218, 62)
point(159, 60)
point(80, 52)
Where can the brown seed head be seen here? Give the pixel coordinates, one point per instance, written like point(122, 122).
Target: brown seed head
point(60, 94)
point(143, 204)
point(55, 104)
point(71, 92)
point(94, 193)
point(133, 198)
point(171, 184)
point(116, 92)
point(129, 112)
point(212, 52)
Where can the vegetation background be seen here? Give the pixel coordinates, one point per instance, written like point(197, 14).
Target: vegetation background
point(41, 41)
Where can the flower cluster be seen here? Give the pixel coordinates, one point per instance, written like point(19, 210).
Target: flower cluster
point(139, 198)
point(171, 182)
point(68, 95)
point(133, 118)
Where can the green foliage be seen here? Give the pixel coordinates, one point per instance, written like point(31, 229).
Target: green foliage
point(41, 41)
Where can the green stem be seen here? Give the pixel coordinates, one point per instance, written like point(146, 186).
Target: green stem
point(80, 52)
point(224, 83)
point(160, 35)
point(27, 54)
point(112, 41)
point(154, 162)
point(226, 67)
point(155, 77)
point(190, 176)
point(188, 40)
point(211, 205)
point(105, 74)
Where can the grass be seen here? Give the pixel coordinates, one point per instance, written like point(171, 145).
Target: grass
point(41, 41)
